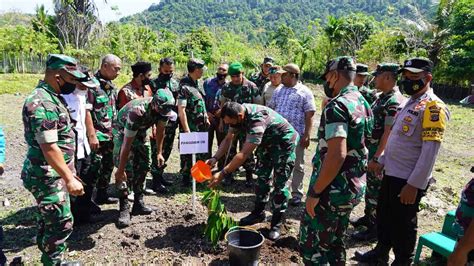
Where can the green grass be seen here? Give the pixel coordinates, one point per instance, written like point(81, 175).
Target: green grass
point(18, 83)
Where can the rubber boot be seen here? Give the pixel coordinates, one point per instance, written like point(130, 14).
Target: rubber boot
point(103, 198)
point(277, 221)
point(249, 178)
point(124, 215)
point(378, 255)
point(139, 207)
point(158, 185)
point(256, 216)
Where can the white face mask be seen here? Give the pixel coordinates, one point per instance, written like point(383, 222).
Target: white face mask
point(80, 92)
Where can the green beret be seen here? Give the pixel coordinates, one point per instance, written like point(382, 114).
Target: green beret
point(235, 68)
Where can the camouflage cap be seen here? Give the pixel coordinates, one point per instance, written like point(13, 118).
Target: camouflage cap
point(417, 65)
point(386, 67)
point(275, 69)
point(362, 69)
point(235, 68)
point(67, 63)
point(163, 102)
point(89, 80)
point(268, 60)
point(339, 63)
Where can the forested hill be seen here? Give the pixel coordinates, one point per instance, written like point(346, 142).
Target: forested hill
point(255, 18)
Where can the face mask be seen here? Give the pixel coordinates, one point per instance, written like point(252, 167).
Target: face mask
point(146, 81)
point(165, 77)
point(328, 90)
point(411, 87)
point(66, 88)
point(221, 76)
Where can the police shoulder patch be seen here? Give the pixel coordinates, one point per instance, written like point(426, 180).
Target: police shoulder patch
point(434, 121)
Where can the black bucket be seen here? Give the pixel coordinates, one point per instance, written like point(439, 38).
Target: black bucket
point(244, 245)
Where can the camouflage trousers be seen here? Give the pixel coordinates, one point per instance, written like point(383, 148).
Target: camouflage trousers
point(371, 197)
point(321, 240)
point(138, 163)
point(102, 165)
point(54, 216)
point(187, 159)
point(168, 141)
point(280, 161)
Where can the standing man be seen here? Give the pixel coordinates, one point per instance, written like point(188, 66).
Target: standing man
point(384, 109)
point(295, 102)
point(339, 165)
point(211, 87)
point(262, 78)
point(164, 81)
point(48, 171)
point(131, 156)
point(408, 160)
point(272, 85)
point(240, 90)
point(192, 112)
point(103, 100)
point(361, 80)
point(274, 141)
point(79, 110)
point(139, 87)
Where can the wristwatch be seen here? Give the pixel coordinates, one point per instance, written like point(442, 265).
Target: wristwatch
point(314, 194)
point(375, 159)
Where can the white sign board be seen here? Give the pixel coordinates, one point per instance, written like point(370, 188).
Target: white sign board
point(193, 143)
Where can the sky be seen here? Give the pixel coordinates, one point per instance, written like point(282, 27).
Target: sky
point(106, 14)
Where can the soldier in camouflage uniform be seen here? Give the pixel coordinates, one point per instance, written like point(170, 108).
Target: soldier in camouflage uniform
point(131, 155)
point(339, 165)
point(263, 77)
point(361, 82)
point(464, 227)
point(192, 112)
point(274, 140)
point(240, 90)
point(164, 81)
point(384, 109)
point(51, 139)
point(103, 100)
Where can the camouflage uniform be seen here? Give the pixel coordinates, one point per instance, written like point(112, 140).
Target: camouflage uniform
point(170, 130)
point(276, 140)
point(103, 100)
point(348, 115)
point(46, 120)
point(134, 119)
point(132, 91)
point(369, 94)
point(465, 213)
point(260, 80)
point(384, 110)
point(247, 92)
point(191, 95)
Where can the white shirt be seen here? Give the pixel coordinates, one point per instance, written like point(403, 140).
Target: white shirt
point(268, 90)
point(77, 105)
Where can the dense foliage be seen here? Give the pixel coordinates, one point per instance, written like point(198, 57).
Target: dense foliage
point(446, 37)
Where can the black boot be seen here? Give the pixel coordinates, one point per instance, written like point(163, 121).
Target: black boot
point(368, 235)
point(277, 220)
point(139, 207)
point(249, 178)
point(124, 215)
point(362, 221)
point(186, 182)
point(256, 216)
point(158, 186)
point(378, 255)
point(102, 197)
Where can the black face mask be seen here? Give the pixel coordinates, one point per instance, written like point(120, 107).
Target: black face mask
point(67, 88)
point(165, 77)
point(328, 90)
point(146, 81)
point(221, 76)
point(411, 87)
